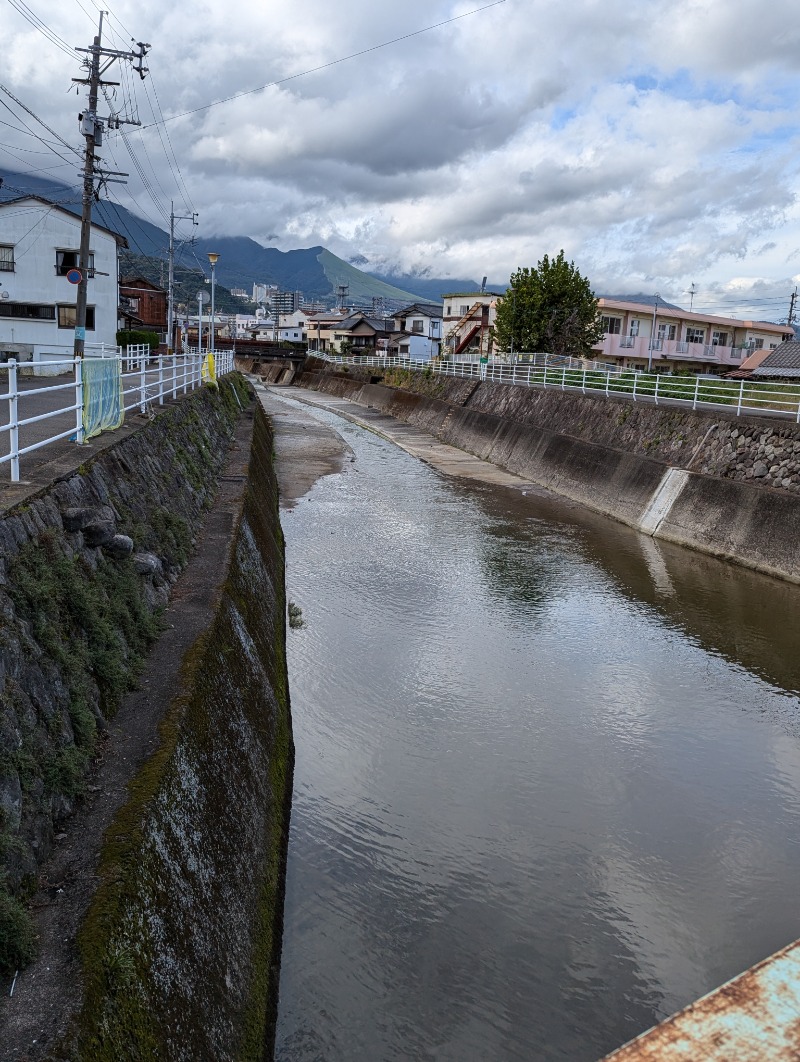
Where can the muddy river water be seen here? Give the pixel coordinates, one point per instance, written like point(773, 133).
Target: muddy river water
point(547, 786)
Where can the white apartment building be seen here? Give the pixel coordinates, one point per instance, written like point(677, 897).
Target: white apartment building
point(467, 320)
point(638, 334)
point(39, 245)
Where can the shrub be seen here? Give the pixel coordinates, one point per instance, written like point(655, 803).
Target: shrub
point(17, 938)
point(129, 337)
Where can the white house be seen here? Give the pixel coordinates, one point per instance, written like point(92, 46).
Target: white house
point(293, 327)
point(422, 325)
point(39, 245)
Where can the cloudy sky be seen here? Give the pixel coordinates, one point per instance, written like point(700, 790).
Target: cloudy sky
point(655, 142)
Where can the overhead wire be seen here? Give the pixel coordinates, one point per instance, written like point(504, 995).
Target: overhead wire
point(39, 24)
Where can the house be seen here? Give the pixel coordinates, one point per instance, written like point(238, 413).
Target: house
point(420, 326)
point(145, 302)
point(39, 247)
point(467, 320)
point(293, 327)
point(781, 363)
point(321, 328)
point(644, 332)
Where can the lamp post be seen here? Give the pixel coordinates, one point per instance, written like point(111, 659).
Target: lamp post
point(212, 257)
point(652, 334)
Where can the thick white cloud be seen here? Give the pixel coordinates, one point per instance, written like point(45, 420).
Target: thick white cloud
point(656, 143)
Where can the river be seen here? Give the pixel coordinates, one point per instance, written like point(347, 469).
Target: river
point(547, 785)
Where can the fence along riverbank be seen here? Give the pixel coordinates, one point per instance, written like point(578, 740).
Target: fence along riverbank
point(118, 383)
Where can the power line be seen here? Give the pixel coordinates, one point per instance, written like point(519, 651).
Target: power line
point(333, 62)
point(36, 117)
point(31, 17)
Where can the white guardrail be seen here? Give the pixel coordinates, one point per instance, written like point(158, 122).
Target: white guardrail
point(146, 381)
point(744, 397)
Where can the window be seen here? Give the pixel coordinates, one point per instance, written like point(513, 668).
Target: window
point(28, 311)
point(611, 325)
point(449, 308)
point(666, 331)
point(66, 317)
point(463, 309)
point(695, 335)
point(719, 339)
point(416, 326)
point(6, 258)
point(755, 344)
point(634, 328)
point(68, 259)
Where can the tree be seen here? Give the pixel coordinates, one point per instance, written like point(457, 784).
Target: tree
point(551, 309)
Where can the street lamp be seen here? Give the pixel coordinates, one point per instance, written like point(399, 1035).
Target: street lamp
point(212, 257)
point(652, 334)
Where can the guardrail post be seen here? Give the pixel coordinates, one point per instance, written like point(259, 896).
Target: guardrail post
point(608, 381)
point(563, 378)
point(174, 375)
point(13, 422)
point(544, 381)
point(635, 378)
point(186, 372)
point(583, 382)
point(78, 366)
point(161, 380)
point(142, 385)
point(655, 393)
point(696, 391)
point(741, 396)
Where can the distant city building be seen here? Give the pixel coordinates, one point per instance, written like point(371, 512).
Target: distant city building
point(261, 291)
point(240, 293)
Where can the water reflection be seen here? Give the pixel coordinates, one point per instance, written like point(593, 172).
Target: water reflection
point(546, 786)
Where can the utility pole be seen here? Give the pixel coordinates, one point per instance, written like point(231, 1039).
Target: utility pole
point(792, 301)
point(92, 129)
point(173, 217)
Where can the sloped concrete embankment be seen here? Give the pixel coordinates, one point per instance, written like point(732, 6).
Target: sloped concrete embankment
point(180, 947)
point(615, 457)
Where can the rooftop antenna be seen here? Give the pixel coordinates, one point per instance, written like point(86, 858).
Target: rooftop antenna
point(691, 293)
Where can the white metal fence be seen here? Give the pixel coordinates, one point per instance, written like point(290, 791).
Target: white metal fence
point(145, 382)
point(743, 397)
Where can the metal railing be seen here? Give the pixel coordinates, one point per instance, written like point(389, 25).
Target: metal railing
point(743, 397)
point(146, 382)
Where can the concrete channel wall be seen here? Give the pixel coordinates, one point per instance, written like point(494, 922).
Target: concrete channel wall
point(178, 936)
point(738, 497)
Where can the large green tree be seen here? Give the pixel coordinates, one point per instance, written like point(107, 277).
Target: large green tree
point(549, 309)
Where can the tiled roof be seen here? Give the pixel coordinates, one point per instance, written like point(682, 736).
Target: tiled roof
point(784, 360)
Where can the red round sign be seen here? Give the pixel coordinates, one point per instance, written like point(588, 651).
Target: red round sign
point(74, 276)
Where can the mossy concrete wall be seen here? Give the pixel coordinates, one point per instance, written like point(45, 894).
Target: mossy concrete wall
point(613, 456)
point(85, 566)
point(181, 943)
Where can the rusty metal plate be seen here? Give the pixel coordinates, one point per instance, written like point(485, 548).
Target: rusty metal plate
point(752, 1018)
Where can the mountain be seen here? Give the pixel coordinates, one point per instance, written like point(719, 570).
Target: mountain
point(313, 270)
point(431, 289)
